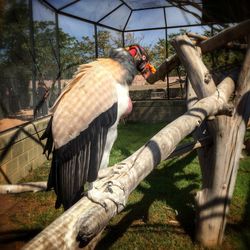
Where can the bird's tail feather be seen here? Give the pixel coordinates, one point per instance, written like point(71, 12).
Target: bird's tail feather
point(48, 135)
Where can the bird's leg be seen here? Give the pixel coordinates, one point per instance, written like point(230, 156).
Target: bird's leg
point(111, 137)
point(95, 195)
point(114, 191)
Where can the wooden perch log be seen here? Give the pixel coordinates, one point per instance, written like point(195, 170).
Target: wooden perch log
point(236, 46)
point(188, 147)
point(86, 219)
point(214, 199)
point(42, 186)
point(23, 187)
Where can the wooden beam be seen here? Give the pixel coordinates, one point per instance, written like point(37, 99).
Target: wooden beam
point(198, 74)
point(23, 187)
point(197, 37)
point(189, 147)
point(230, 34)
point(221, 39)
point(42, 186)
point(167, 66)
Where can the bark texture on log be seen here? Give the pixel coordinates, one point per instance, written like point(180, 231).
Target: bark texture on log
point(199, 134)
point(190, 57)
point(86, 219)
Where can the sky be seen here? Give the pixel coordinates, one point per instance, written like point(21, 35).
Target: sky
point(139, 19)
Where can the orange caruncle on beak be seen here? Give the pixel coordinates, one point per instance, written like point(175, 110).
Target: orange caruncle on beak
point(148, 70)
point(151, 68)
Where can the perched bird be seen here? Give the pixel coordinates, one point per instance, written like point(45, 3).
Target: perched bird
point(83, 126)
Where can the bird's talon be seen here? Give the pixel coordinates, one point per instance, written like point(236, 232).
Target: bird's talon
point(109, 188)
point(96, 197)
point(117, 184)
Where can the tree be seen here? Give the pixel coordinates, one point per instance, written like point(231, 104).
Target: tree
point(45, 57)
point(14, 44)
point(104, 45)
point(74, 52)
point(130, 39)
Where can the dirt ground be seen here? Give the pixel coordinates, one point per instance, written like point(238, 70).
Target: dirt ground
point(10, 235)
point(17, 226)
point(7, 123)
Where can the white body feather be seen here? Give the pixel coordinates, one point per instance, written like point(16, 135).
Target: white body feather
point(123, 105)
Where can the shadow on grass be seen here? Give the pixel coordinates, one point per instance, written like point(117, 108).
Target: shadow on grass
point(18, 235)
point(163, 187)
point(243, 228)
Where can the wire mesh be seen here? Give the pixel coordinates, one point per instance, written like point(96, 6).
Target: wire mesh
point(92, 10)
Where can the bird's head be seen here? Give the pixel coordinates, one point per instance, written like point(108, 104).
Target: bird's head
point(141, 60)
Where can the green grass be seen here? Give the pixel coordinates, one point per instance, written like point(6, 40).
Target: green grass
point(130, 138)
point(160, 212)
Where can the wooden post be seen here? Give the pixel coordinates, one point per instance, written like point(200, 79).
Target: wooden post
point(23, 187)
point(220, 162)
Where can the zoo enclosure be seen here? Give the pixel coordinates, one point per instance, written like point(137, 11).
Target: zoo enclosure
point(44, 40)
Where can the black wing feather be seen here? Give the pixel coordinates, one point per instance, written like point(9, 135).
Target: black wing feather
point(79, 160)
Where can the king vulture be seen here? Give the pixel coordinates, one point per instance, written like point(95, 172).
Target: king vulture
point(83, 126)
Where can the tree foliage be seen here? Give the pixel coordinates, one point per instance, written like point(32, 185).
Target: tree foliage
point(15, 62)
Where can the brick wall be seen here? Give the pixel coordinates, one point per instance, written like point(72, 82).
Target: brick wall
point(20, 151)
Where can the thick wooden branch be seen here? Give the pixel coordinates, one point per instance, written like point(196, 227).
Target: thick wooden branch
point(167, 66)
point(236, 46)
point(241, 118)
point(23, 187)
point(86, 219)
point(188, 147)
point(200, 78)
point(42, 186)
point(219, 165)
point(230, 34)
point(197, 37)
point(244, 78)
point(221, 39)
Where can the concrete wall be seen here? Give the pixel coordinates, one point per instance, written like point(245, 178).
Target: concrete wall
point(157, 110)
point(20, 151)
